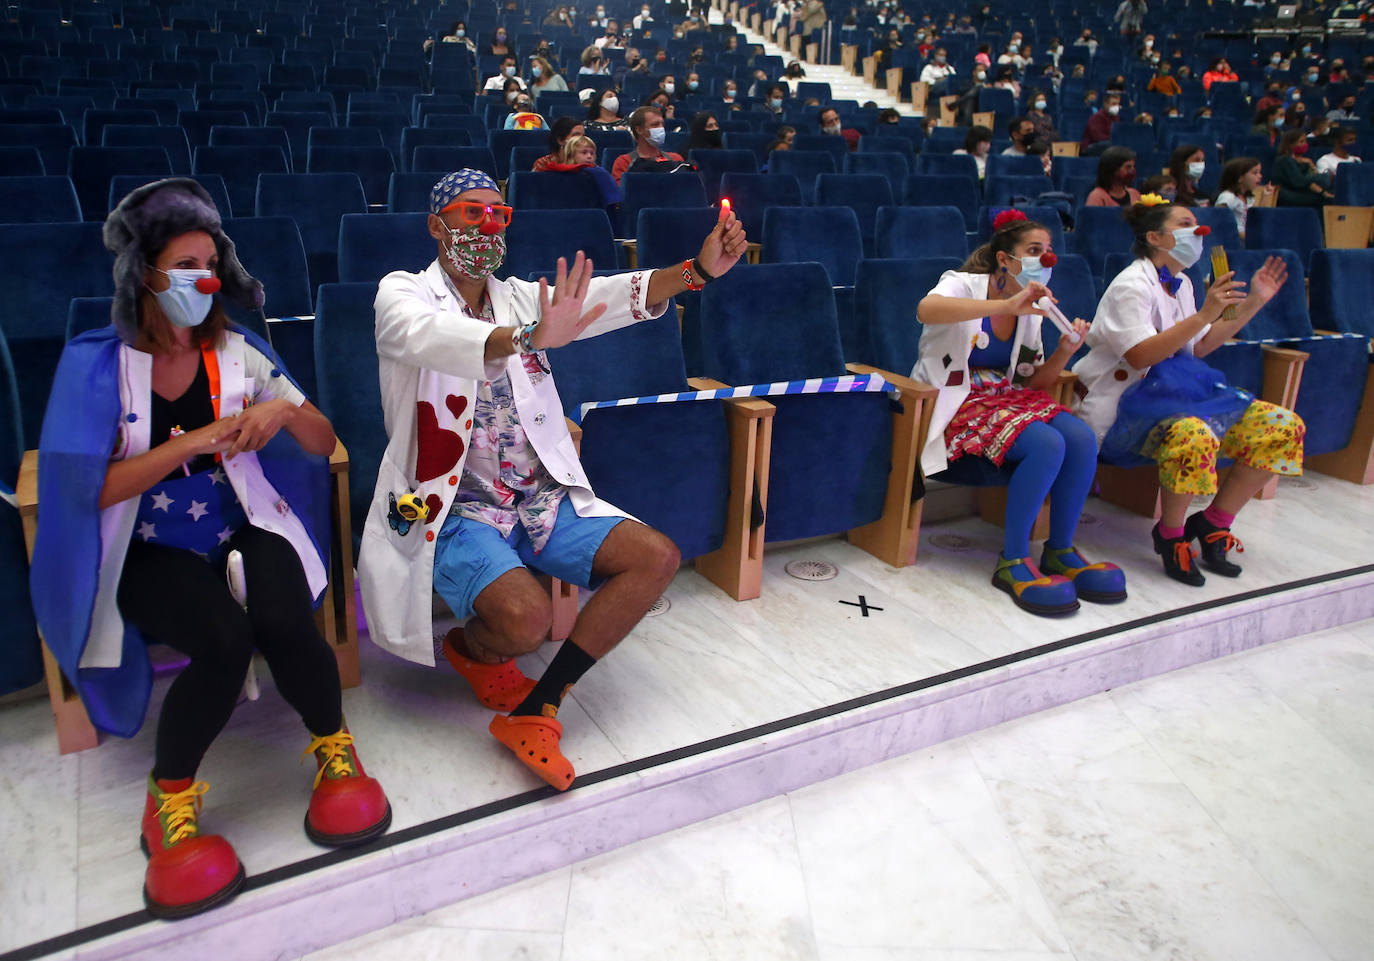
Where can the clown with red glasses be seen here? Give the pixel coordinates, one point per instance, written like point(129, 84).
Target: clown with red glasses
point(981, 346)
point(480, 489)
point(1150, 399)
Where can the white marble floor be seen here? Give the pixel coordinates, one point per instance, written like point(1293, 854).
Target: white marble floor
point(707, 667)
point(1214, 814)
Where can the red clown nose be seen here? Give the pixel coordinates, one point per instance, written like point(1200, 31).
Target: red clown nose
point(489, 227)
point(208, 285)
point(1048, 259)
point(1202, 230)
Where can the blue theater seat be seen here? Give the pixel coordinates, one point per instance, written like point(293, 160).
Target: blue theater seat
point(886, 293)
point(372, 165)
point(454, 158)
point(805, 165)
point(92, 168)
point(712, 164)
point(938, 190)
point(1292, 228)
point(121, 184)
point(373, 245)
point(751, 195)
point(240, 167)
point(21, 660)
point(21, 162)
point(893, 166)
point(862, 193)
point(527, 190)
point(52, 141)
point(412, 137)
point(921, 232)
point(271, 250)
point(316, 202)
point(171, 139)
point(644, 190)
point(38, 200)
point(827, 235)
point(534, 244)
point(409, 192)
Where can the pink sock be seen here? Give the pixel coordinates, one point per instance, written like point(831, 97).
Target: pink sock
point(1170, 533)
point(1218, 518)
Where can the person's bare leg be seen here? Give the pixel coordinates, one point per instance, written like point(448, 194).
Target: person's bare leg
point(1174, 508)
point(639, 562)
point(512, 615)
point(1243, 483)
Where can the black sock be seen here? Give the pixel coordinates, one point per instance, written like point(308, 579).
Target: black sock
point(565, 670)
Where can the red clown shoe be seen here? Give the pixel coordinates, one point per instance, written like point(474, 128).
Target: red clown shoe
point(347, 807)
point(188, 872)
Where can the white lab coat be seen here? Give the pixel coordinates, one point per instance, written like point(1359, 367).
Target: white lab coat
point(1134, 308)
point(943, 360)
point(429, 352)
point(243, 372)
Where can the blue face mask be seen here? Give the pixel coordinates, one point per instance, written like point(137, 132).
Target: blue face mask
point(183, 302)
point(1033, 272)
point(775, 103)
point(692, 84)
point(536, 71)
point(657, 135)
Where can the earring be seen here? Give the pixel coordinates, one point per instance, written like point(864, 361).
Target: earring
point(1001, 283)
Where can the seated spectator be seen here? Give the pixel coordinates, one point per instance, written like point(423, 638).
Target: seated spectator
point(456, 33)
point(1115, 175)
point(633, 66)
point(648, 155)
point(644, 17)
point(1269, 123)
point(938, 71)
point(499, 47)
point(830, 124)
point(786, 133)
point(1342, 139)
point(775, 145)
point(1162, 184)
point(668, 84)
point(1005, 80)
point(604, 112)
point(660, 100)
point(694, 82)
point(774, 100)
point(507, 73)
point(1187, 164)
point(1038, 114)
point(578, 155)
point(559, 18)
point(563, 130)
point(1241, 188)
point(593, 63)
point(1299, 183)
point(1097, 132)
point(1346, 111)
point(705, 132)
point(1219, 72)
point(522, 115)
point(977, 144)
point(1163, 83)
point(889, 115)
point(611, 38)
point(730, 94)
point(543, 77)
point(1273, 97)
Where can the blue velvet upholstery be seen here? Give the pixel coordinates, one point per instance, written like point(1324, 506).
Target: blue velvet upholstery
point(271, 250)
point(409, 192)
point(887, 292)
point(1099, 231)
point(454, 158)
point(1223, 224)
point(527, 190)
point(388, 125)
point(957, 165)
point(837, 147)
point(170, 139)
point(1001, 191)
point(122, 184)
point(1073, 286)
point(862, 193)
point(1242, 362)
point(297, 124)
point(934, 190)
point(252, 137)
point(1048, 217)
point(38, 200)
point(827, 235)
point(197, 123)
point(88, 313)
point(894, 166)
point(315, 202)
point(412, 137)
point(372, 165)
point(373, 245)
point(35, 319)
point(92, 167)
point(643, 190)
point(1292, 228)
point(93, 122)
point(1341, 290)
point(667, 464)
point(348, 389)
point(831, 452)
point(757, 142)
point(501, 141)
point(805, 165)
point(1286, 315)
point(240, 167)
point(666, 236)
point(1012, 165)
point(326, 136)
point(751, 194)
point(713, 163)
point(21, 662)
point(53, 141)
point(910, 232)
point(1354, 185)
point(535, 242)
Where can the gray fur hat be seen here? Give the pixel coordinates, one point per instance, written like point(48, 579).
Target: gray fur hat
point(145, 220)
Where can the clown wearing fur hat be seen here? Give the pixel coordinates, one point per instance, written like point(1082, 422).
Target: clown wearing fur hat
point(176, 446)
point(478, 440)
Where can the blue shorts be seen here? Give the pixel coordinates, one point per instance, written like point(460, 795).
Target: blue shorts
point(469, 555)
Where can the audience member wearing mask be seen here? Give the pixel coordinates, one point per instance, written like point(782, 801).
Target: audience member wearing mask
point(1038, 114)
point(1097, 133)
point(563, 130)
point(1115, 176)
point(978, 144)
point(499, 47)
point(507, 74)
point(593, 63)
point(1187, 164)
point(938, 72)
point(648, 155)
point(544, 77)
point(730, 94)
point(1269, 123)
point(830, 125)
point(705, 132)
point(1296, 176)
point(1342, 140)
point(1219, 72)
point(604, 112)
point(1163, 82)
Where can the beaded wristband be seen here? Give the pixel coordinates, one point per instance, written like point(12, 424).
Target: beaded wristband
point(523, 338)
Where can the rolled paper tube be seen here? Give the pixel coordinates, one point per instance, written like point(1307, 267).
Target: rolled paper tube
point(1057, 318)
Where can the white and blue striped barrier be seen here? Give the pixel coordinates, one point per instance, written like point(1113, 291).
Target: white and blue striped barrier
point(849, 384)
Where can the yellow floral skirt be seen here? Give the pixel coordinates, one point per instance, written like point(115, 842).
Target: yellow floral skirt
point(1267, 437)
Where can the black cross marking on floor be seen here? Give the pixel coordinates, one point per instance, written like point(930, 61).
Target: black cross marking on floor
point(862, 605)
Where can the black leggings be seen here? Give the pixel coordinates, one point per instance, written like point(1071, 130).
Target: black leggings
point(175, 598)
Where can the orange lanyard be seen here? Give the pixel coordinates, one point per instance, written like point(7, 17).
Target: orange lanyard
point(211, 358)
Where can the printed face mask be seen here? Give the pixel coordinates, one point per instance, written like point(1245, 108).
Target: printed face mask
point(473, 253)
point(1187, 246)
point(187, 300)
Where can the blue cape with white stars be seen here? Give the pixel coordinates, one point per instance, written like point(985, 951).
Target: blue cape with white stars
point(73, 455)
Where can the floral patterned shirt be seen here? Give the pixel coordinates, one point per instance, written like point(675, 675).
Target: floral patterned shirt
point(504, 483)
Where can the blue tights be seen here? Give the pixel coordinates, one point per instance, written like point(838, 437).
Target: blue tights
point(1058, 458)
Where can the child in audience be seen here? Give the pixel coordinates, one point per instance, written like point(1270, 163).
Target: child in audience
point(981, 346)
point(1150, 399)
point(161, 525)
point(1162, 184)
point(1241, 189)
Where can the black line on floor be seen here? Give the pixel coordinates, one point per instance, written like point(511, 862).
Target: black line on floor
point(295, 869)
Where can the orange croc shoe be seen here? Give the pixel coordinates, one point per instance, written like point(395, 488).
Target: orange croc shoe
point(501, 687)
point(535, 740)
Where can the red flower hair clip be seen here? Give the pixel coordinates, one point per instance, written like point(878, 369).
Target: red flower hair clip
point(1007, 217)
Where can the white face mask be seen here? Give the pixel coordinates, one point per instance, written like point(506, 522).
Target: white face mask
point(979, 75)
point(1041, 104)
point(1197, 169)
point(831, 128)
point(511, 95)
point(657, 135)
point(1114, 109)
point(183, 303)
point(669, 88)
point(460, 33)
point(612, 104)
point(1187, 247)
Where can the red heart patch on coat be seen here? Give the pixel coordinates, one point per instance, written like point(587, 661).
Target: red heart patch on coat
point(456, 405)
point(437, 450)
point(435, 503)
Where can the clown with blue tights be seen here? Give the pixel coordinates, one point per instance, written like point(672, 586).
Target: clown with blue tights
point(981, 346)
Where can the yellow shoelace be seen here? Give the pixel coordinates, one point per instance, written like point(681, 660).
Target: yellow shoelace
point(181, 809)
point(337, 760)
